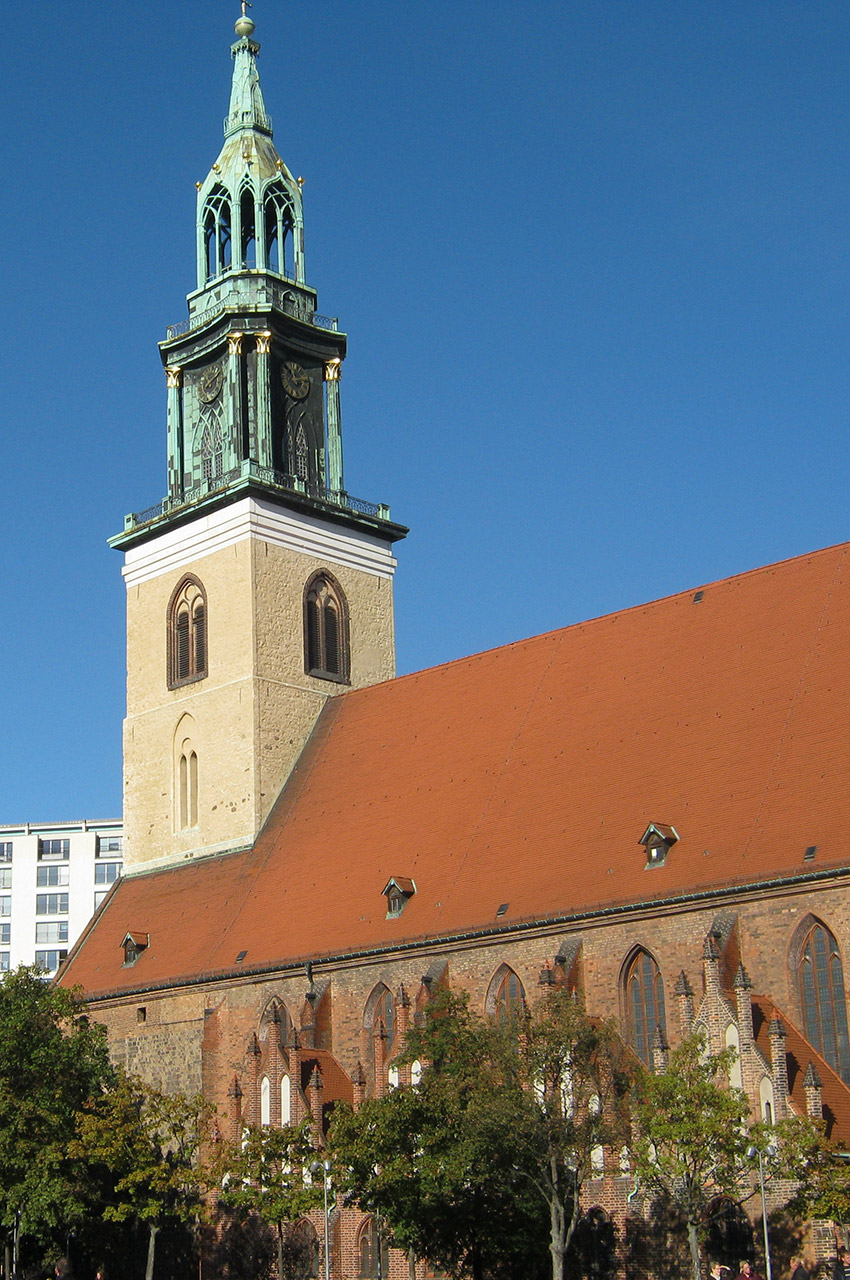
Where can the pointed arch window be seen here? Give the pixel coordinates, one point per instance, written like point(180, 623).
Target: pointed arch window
point(187, 633)
point(505, 996)
point(212, 450)
point(383, 1016)
point(216, 224)
point(821, 980)
point(644, 992)
point(277, 215)
point(326, 648)
point(249, 233)
point(371, 1264)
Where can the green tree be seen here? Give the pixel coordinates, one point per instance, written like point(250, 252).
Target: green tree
point(574, 1076)
point(818, 1165)
point(488, 1154)
point(148, 1143)
point(690, 1134)
point(53, 1060)
point(436, 1162)
point(266, 1176)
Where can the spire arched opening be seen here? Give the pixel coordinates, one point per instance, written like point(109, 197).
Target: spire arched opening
point(277, 216)
point(216, 224)
point(248, 255)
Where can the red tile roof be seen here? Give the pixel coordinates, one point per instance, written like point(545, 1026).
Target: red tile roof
point(526, 775)
point(799, 1053)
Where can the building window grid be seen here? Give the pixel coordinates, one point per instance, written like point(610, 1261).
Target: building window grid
point(107, 872)
point(51, 931)
point(54, 848)
point(6, 905)
point(52, 877)
point(4, 961)
point(49, 961)
point(5, 850)
point(5, 934)
point(50, 904)
point(109, 845)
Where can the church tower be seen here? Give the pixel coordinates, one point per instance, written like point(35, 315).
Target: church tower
point(259, 587)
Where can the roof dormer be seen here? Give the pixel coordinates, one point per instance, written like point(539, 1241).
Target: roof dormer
point(134, 944)
point(397, 891)
point(658, 840)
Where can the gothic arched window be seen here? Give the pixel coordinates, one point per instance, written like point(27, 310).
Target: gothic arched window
point(277, 214)
point(305, 1244)
point(187, 633)
point(506, 998)
point(644, 1003)
point(383, 1016)
point(821, 978)
point(247, 219)
point(325, 629)
point(216, 224)
point(371, 1263)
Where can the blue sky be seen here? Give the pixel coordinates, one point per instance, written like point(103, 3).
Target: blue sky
point(593, 259)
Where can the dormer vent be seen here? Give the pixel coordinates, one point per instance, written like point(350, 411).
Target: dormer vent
point(809, 855)
point(658, 840)
point(134, 944)
point(397, 891)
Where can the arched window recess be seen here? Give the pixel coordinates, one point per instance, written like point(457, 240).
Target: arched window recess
point(506, 996)
point(820, 979)
point(216, 222)
point(187, 633)
point(643, 992)
point(326, 635)
point(278, 219)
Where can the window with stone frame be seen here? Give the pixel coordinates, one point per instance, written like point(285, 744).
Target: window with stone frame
point(326, 639)
point(509, 1003)
point(644, 992)
point(187, 633)
point(821, 980)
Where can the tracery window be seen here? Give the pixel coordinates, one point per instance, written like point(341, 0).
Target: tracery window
point(644, 1003)
point(509, 1002)
point(325, 629)
point(383, 1016)
point(821, 978)
point(277, 213)
point(187, 633)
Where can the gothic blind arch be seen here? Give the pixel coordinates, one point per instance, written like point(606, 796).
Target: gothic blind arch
point(379, 1013)
point(816, 959)
point(369, 1265)
point(186, 775)
point(505, 995)
point(187, 632)
point(326, 629)
point(643, 1001)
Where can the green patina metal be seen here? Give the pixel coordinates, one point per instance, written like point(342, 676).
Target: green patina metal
point(254, 371)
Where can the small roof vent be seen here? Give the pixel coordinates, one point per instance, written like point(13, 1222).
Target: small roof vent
point(502, 909)
point(698, 595)
point(658, 840)
point(809, 855)
point(397, 891)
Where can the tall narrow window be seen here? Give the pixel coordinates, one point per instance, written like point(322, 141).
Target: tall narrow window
point(383, 1017)
point(509, 1004)
point(644, 1003)
point(187, 633)
point(371, 1263)
point(325, 629)
point(185, 775)
point(821, 978)
point(216, 223)
point(249, 242)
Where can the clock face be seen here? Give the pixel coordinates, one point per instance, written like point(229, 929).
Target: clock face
point(209, 383)
point(294, 380)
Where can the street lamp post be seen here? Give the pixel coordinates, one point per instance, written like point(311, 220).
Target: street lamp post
point(325, 1169)
point(770, 1151)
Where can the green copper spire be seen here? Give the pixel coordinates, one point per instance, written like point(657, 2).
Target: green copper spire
point(247, 109)
point(250, 215)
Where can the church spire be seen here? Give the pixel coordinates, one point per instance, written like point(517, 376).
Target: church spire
point(247, 109)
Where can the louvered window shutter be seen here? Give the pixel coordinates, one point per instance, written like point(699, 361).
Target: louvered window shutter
point(182, 641)
point(200, 640)
point(331, 663)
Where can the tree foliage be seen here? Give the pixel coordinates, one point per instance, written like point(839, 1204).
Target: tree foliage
point(148, 1143)
point(53, 1061)
point(476, 1164)
point(691, 1134)
point(817, 1164)
point(266, 1175)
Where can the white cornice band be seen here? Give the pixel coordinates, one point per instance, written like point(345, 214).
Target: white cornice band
point(255, 518)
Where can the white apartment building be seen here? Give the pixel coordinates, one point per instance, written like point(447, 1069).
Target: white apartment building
point(53, 876)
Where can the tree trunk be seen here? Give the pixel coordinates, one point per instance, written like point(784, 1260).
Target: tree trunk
point(693, 1244)
point(279, 1252)
point(411, 1264)
point(151, 1250)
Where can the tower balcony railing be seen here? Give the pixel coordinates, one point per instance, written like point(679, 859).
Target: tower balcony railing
point(250, 470)
point(251, 293)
